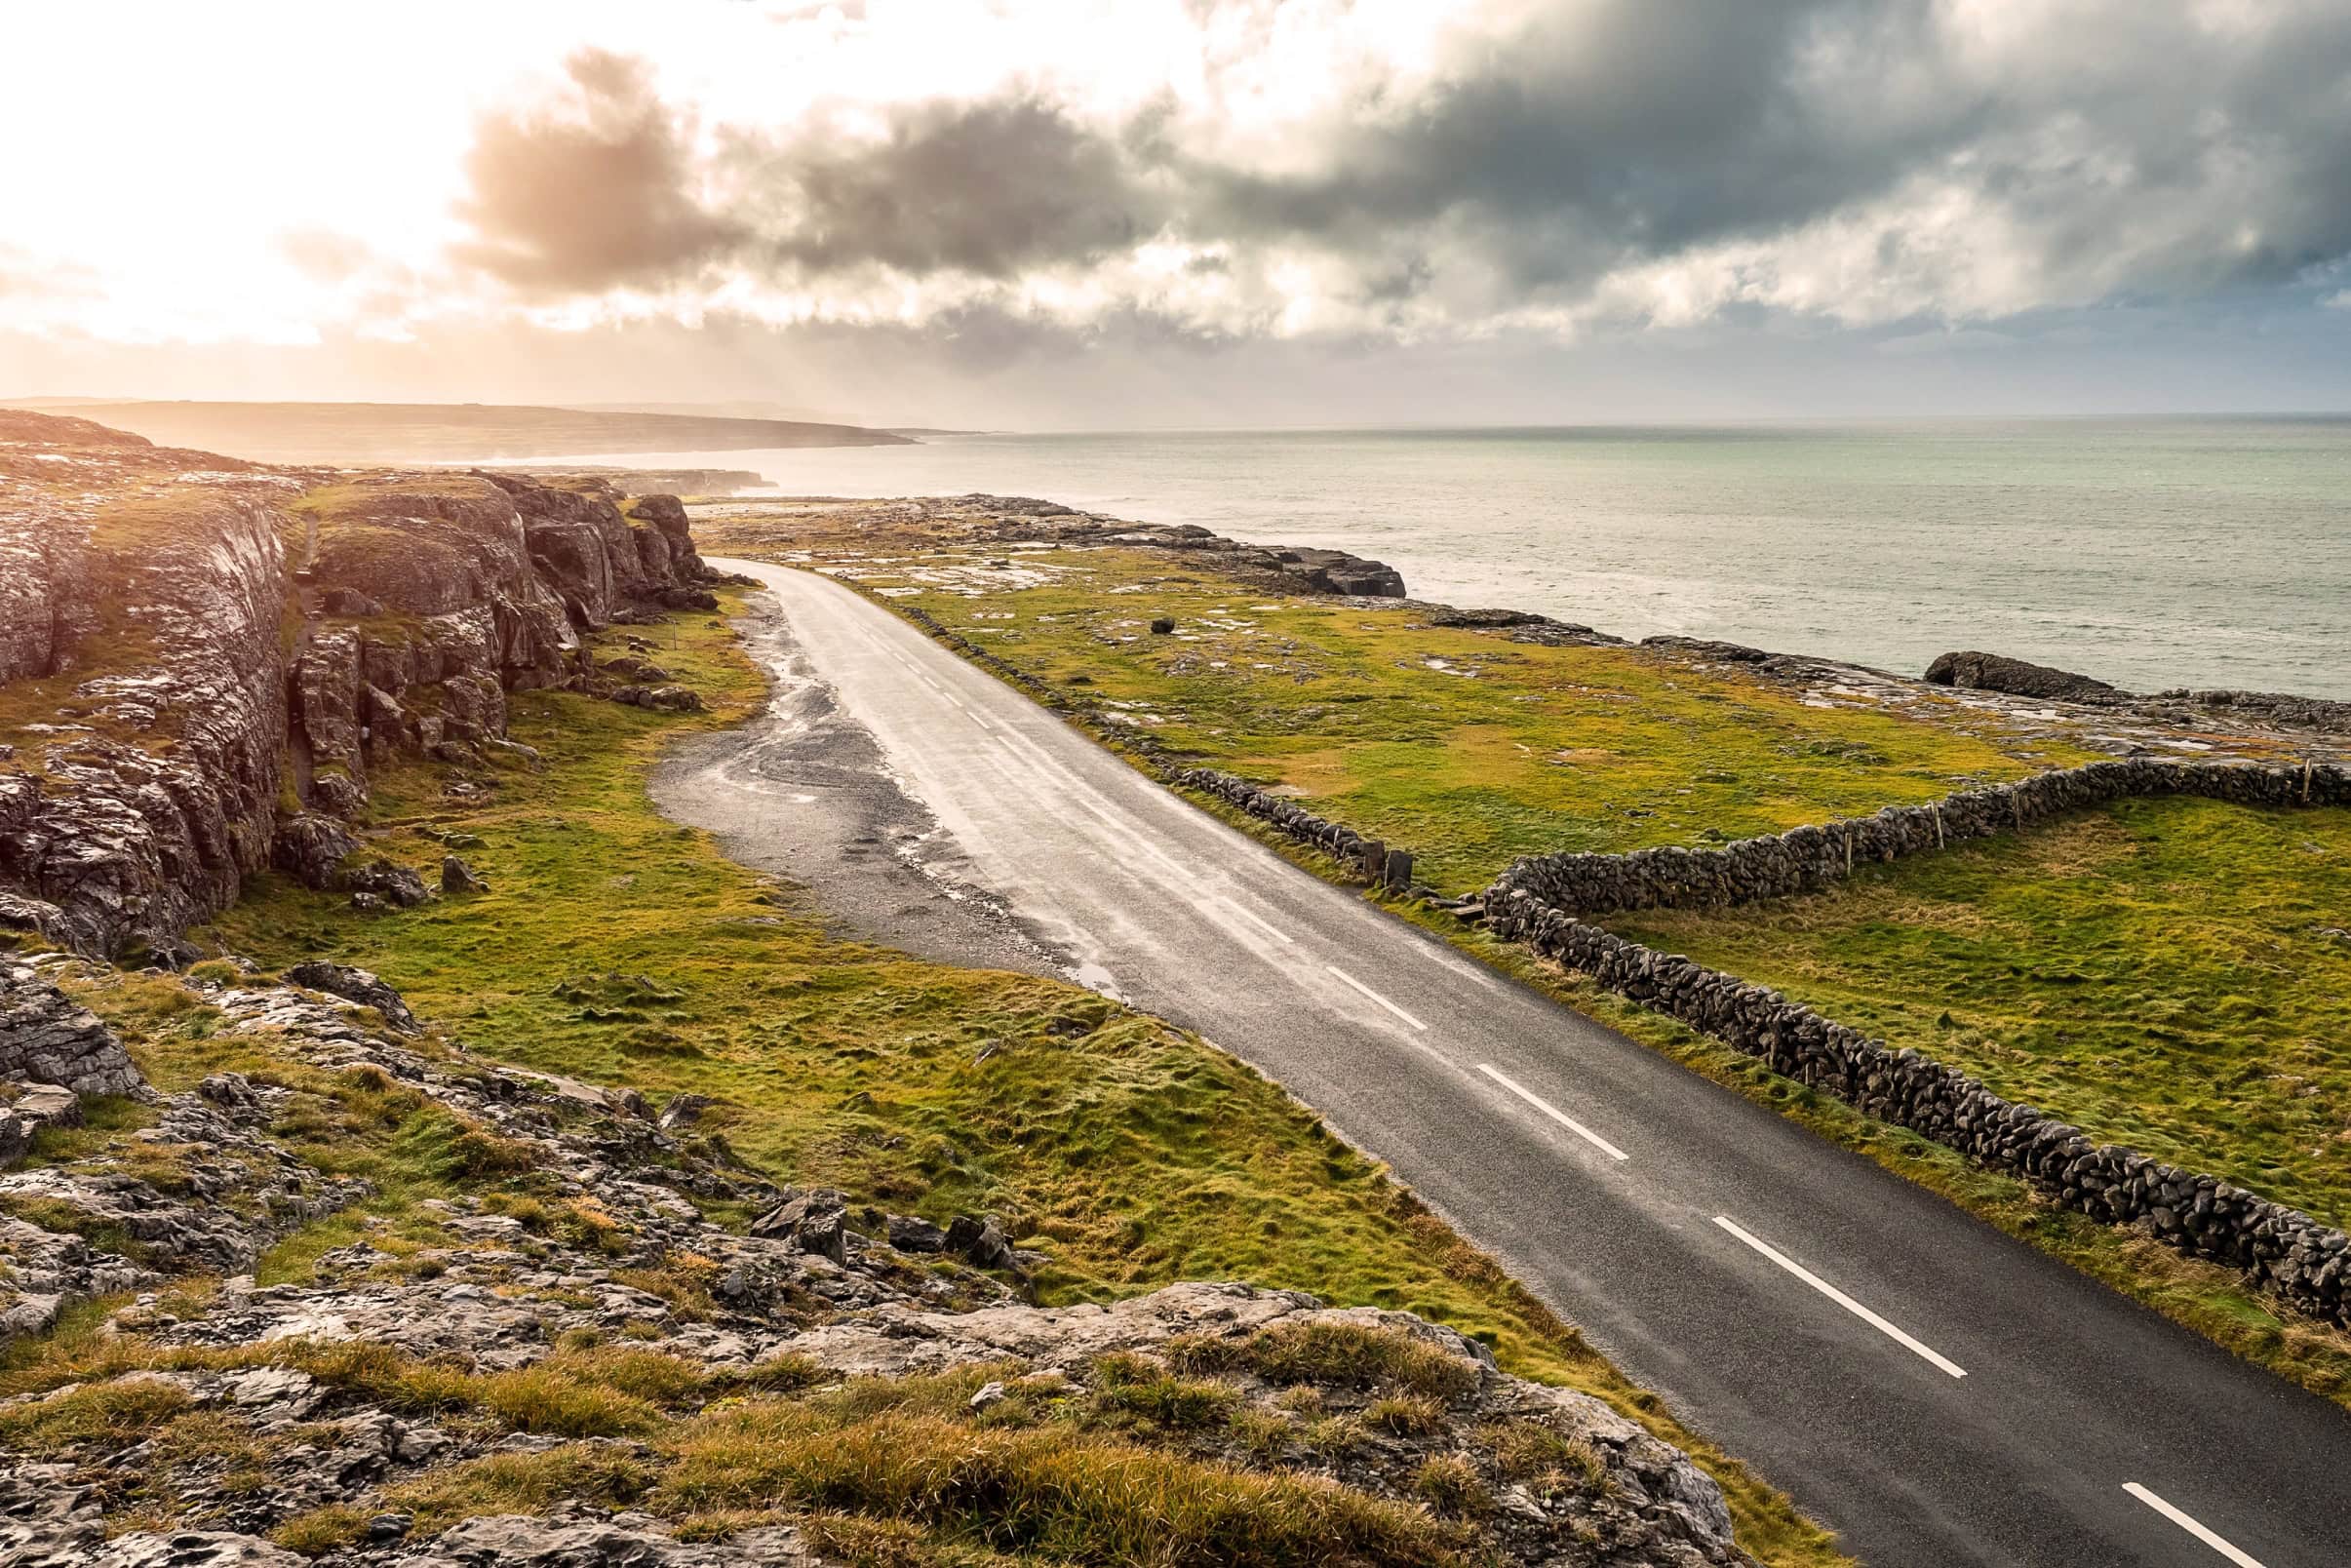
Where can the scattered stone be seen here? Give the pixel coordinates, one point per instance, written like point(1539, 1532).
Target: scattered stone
point(457, 877)
point(388, 884)
point(1163, 624)
point(361, 985)
point(669, 698)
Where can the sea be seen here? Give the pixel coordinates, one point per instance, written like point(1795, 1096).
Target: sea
point(2153, 554)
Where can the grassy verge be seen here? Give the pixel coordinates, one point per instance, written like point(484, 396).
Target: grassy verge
point(614, 946)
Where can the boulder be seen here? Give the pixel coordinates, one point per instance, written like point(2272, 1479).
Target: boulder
point(37, 1106)
point(311, 847)
point(981, 1241)
point(48, 1038)
point(911, 1235)
point(387, 884)
point(457, 877)
point(357, 985)
point(685, 1111)
point(350, 603)
point(1993, 672)
point(814, 1221)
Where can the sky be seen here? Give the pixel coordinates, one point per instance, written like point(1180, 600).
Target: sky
point(1049, 213)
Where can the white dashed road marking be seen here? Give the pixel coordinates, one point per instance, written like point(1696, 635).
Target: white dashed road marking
point(1840, 1298)
point(1556, 1115)
point(1375, 995)
point(2240, 1558)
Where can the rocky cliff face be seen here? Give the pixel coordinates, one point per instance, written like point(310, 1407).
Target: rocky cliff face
point(200, 657)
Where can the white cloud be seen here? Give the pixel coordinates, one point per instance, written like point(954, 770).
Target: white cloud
point(1387, 169)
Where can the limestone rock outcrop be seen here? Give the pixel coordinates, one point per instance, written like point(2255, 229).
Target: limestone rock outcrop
point(200, 658)
point(48, 1038)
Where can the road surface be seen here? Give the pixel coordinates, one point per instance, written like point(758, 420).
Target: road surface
point(1935, 1391)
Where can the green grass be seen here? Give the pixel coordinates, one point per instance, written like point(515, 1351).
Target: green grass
point(616, 947)
point(1459, 744)
point(2154, 972)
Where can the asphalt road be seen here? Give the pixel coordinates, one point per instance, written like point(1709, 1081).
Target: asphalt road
point(1935, 1391)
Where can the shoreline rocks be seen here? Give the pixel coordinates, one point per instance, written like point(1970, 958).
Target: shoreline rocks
point(1994, 672)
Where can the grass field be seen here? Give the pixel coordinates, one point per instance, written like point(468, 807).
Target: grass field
point(616, 947)
point(2159, 973)
point(1459, 743)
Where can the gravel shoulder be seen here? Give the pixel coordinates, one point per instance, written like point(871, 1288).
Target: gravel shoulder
point(804, 793)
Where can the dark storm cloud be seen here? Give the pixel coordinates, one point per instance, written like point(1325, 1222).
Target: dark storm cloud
point(592, 194)
point(985, 188)
point(1632, 127)
point(2096, 150)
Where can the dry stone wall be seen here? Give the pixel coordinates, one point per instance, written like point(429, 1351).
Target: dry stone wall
point(1376, 861)
point(2284, 1250)
point(1807, 859)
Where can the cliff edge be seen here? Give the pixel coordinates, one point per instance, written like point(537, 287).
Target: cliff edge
point(201, 656)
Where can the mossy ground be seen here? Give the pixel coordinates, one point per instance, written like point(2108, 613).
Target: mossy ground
point(1460, 744)
point(614, 946)
point(2158, 973)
